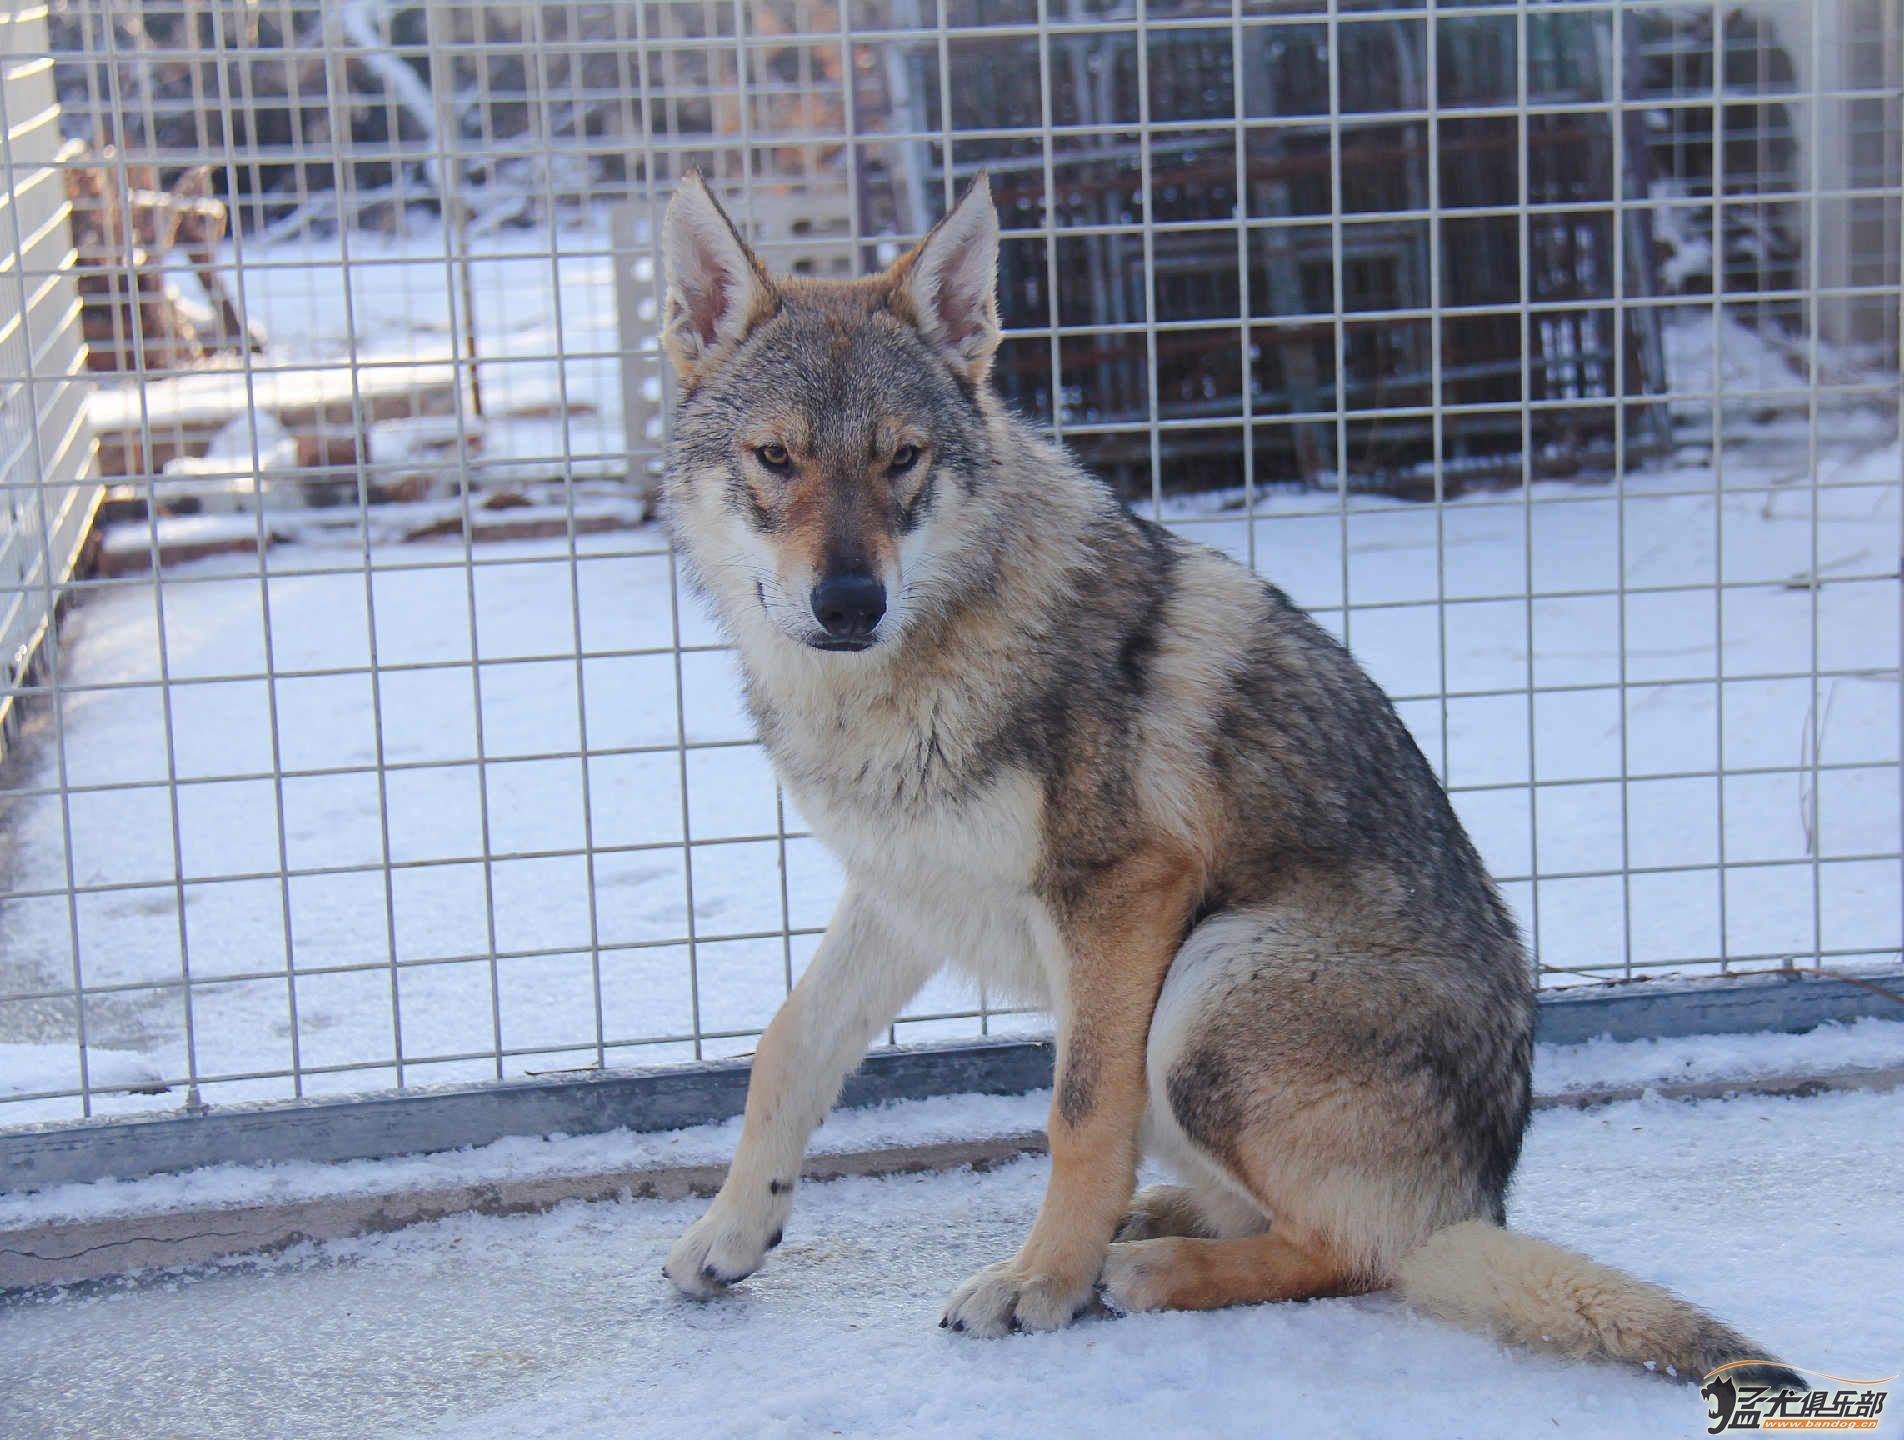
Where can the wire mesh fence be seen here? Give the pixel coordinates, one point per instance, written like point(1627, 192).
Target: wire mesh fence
point(1548, 352)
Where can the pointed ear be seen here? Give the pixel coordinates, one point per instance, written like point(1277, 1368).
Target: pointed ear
point(717, 289)
point(948, 285)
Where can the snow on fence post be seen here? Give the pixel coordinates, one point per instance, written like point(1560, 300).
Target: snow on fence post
point(645, 380)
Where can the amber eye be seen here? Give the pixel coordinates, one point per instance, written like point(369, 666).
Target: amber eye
point(904, 458)
point(774, 456)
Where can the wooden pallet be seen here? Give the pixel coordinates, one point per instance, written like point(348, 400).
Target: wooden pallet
point(328, 407)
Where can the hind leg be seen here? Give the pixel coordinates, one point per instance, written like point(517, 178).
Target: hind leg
point(1209, 1243)
point(1209, 1212)
point(1206, 1204)
point(1183, 1273)
point(1359, 1103)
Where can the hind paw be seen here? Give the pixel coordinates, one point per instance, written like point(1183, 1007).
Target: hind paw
point(1132, 1279)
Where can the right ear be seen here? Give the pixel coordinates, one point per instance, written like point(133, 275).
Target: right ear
point(717, 289)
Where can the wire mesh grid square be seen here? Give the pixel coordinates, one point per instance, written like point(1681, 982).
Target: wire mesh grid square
point(1548, 352)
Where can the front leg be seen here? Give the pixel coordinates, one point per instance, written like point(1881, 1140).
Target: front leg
point(1120, 931)
point(861, 976)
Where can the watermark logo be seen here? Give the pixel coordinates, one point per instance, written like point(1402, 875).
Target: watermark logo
point(1737, 1403)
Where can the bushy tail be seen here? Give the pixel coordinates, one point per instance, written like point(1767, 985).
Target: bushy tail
point(1481, 1277)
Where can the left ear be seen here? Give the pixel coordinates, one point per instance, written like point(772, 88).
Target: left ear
point(948, 285)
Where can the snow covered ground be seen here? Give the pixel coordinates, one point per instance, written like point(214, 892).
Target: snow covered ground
point(1778, 1214)
point(579, 855)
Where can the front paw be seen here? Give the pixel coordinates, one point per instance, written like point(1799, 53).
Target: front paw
point(725, 1245)
point(1008, 1296)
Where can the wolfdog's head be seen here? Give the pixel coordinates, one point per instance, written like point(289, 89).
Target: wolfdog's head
point(831, 435)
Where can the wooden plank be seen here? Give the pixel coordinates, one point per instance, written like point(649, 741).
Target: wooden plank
point(48, 1254)
point(669, 1097)
point(450, 1117)
point(140, 426)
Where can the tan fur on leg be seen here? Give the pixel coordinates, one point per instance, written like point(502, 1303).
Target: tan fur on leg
point(1191, 1274)
point(1121, 933)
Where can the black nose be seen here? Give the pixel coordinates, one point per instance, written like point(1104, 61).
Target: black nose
point(849, 606)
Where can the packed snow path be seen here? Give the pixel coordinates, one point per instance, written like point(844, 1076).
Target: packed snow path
point(1778, 1214)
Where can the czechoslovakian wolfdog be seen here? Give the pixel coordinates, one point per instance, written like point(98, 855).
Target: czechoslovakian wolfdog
point(1118, 775)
